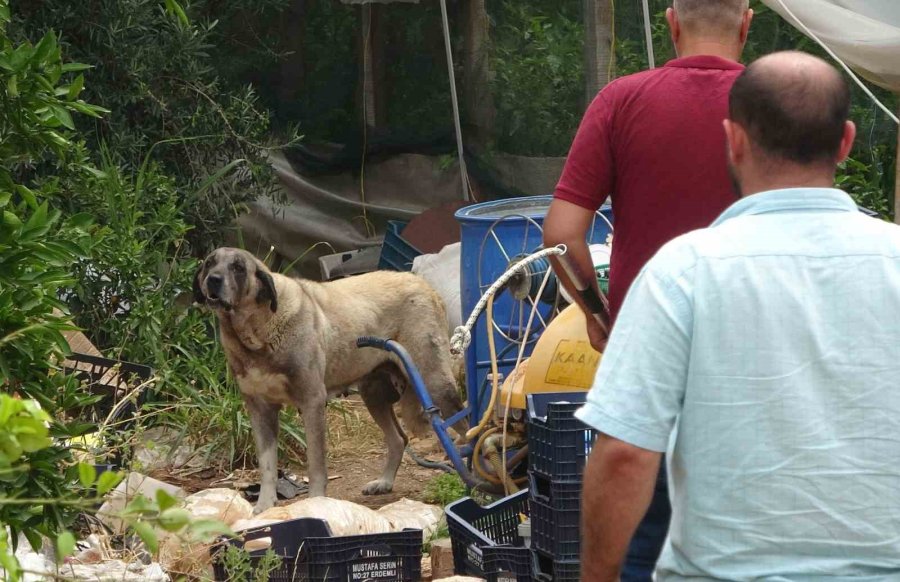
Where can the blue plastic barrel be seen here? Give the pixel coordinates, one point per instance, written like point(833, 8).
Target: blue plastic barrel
point(518, 235)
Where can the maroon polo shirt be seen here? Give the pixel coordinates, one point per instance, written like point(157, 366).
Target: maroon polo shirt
point(654, 142)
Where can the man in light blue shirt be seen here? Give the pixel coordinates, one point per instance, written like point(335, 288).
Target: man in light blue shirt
point(763, 354)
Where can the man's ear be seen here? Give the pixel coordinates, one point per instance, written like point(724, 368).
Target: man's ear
point(745, 26)
point(266, 291)
point(199, 297)
point(736, 138)
point(674, 25)
point(847, 141)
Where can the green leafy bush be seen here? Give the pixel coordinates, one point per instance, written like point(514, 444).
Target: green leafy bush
point(539, 76)
point(154, 72)
point(179, 156)
point(38, 97)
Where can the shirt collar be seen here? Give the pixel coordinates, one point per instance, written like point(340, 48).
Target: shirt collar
point(788, 200)
point(705, 62)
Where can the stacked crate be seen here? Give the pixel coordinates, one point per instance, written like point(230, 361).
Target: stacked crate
point(485, 540)
point(558, 447)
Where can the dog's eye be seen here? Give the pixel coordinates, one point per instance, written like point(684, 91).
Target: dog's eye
point(238, 267)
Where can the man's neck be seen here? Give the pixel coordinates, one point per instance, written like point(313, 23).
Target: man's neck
point(767, 184)
point(709, 47)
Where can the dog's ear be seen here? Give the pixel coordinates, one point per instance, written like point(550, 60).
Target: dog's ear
point(266, 290)
point(199, 297)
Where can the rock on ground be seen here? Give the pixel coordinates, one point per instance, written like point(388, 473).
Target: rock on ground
point(133, 485)
point(223, 505)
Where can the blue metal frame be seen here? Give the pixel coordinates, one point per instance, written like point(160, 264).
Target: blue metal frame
point(439, 425)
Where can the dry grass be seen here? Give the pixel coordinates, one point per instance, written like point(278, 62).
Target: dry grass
point(351, 430)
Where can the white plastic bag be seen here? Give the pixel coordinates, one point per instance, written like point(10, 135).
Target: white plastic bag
point(407, 513)
point(441, 270)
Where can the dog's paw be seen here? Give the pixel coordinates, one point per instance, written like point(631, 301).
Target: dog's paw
point(378, 487)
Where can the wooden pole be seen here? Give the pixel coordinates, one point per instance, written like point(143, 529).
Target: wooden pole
point(478, 101)
point(598, 50)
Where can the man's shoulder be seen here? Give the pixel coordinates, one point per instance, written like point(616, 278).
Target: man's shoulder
point(743, 236)
point(625, 86)
point(678, 256)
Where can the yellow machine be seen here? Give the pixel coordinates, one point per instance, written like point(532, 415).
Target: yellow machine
point(562, 361)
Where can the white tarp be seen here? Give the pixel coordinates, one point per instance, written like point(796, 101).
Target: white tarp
point(863, 33)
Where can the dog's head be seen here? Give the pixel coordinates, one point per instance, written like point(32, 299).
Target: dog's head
point(233, 279)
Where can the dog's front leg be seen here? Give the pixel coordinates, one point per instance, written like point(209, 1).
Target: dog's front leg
point(264, 419)
point(313, 409)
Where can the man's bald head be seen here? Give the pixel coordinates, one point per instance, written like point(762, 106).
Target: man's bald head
point(793, 106)
point(711, 17)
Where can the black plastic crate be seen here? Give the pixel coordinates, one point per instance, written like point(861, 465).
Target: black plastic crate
point(473, 528)
point(549, 569)
point(114, 382)
point(558, 443)
point(556, 517)
point(310, 553)
point(391, 557)
point(507, 564)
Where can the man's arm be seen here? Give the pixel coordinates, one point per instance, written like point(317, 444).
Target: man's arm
point(623, 477)
point(568, 224)
point(634, 403)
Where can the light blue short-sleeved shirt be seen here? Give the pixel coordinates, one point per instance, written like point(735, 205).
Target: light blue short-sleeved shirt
point(763, 354)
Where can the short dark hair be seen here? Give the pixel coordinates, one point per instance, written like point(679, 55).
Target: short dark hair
point(793, 115)
point(711, 15)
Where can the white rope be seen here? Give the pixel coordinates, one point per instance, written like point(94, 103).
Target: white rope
point(858, 81)
point(648, 31)
point(462, 336)
point(463, 174)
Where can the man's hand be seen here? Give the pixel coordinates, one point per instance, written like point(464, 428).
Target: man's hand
point(596, 334)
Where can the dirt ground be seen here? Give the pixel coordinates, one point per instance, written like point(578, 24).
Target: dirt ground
point(356, 456)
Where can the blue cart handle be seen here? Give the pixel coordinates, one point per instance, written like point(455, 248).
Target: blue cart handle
point(434, 414)
point(372, 342)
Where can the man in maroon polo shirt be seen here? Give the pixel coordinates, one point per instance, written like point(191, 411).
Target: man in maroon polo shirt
point(654, 142)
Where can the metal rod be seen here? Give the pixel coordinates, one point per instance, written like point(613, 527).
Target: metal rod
point(651, 58)
point(463, 174)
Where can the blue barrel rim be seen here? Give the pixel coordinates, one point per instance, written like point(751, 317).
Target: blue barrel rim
point(536, 210)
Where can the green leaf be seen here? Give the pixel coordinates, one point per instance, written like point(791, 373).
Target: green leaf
point(44, 47)
point(91, 110)
point(165, 500)
point(81, 221)
point(28, 196)
point(12, 86)
point(75, 67)
point(174, 519)
point(63, 116)
point(65, 545)
point(75, 88)
point(147, 535)
point(11, 220)
point(108, 481)
point(173, 7)
point(218, 175)
point(38, 218)
point(87, 474)
point(5, 198)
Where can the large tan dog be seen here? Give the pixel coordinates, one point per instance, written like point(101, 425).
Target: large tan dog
point(293, 342)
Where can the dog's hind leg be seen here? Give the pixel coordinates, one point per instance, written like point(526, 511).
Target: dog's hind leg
point(264, 419)
point(379, 393)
